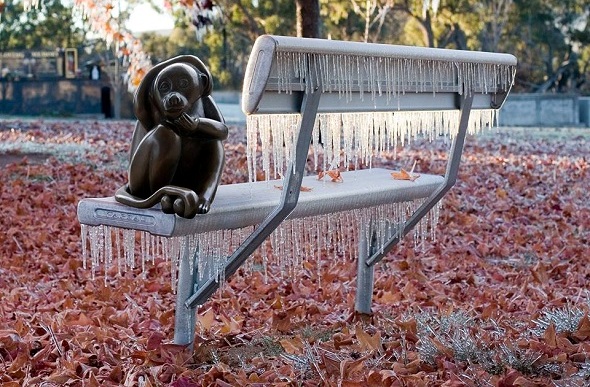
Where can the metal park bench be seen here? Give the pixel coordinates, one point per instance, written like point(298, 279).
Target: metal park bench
point(345, 101)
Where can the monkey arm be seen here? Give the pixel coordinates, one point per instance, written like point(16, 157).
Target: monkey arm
point(206, 128)
point(210, 109)
point(215, 156)
point(212, 129)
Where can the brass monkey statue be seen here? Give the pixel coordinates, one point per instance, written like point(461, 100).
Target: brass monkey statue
point(177, 154)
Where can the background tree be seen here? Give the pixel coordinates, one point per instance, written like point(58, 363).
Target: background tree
point(494, 16)
point(50, 26)
point(235, 26)
point(107, 20)
point(308, 18)
point(550, 38)
point(362, 20)
point(374, 13)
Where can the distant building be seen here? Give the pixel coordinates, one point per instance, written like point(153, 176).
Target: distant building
point(39, 64)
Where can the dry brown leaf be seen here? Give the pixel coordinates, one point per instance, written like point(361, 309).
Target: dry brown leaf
point(583, 331)
point(550, 336)
point(330, 363)
point(366, 341)
point(352, 370)
point(293, 345)
point(302, 189)
point(206, 319)
point(341, 340)
point(334, 175)
point(402, 174)
point(281, 321)
point(521, 381)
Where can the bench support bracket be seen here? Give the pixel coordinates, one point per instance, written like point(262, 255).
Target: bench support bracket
point(365, 273)
point(369, 256)
point(185, 317)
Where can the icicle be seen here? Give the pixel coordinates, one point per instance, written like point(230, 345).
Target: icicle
point(118, 249)
point(129, 248)
point(108, 252)
point(96, 247)
point(143, 253)
point(84, 237)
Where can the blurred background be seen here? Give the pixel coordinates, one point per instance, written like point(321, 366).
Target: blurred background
point(64, 57)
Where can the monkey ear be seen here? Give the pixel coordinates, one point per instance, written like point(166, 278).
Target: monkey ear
point(206, 82)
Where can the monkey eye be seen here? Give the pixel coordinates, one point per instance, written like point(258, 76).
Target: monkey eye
point(183, 83)
point(165, 86)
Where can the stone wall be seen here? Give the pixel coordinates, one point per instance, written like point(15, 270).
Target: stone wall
point(64, 97)
point(540, 110)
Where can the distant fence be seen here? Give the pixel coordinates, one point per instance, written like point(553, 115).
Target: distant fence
point(585, 111)
point(67, 97)
point(542, 110)
point(86, 97)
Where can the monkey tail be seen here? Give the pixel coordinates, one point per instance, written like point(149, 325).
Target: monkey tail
point(188, 208)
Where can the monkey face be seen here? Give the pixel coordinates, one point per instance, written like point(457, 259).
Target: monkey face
point(177, 88)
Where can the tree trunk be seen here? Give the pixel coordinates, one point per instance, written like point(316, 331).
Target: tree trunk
point(427, 30)
point(308, 18)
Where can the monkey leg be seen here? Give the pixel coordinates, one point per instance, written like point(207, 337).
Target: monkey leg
point(215, 155)
point(154, 162)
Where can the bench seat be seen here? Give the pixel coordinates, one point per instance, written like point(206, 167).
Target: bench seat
point(247, 204)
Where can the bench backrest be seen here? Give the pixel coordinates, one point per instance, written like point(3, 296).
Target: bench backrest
point(377, 77)
point(421, 86)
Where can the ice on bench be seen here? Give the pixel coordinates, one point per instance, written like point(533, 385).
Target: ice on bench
point(328, 216)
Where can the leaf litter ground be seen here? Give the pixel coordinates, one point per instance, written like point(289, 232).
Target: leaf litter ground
point(499, 299)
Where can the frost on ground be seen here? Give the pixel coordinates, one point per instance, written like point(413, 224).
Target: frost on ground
point(499, 298)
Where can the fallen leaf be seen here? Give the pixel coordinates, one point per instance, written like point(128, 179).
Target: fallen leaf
point(293, 346)
point(366, 341)
point(583, 331)
point(206, 319)
point(404, 175)
point(334, 174)
point(302, 189)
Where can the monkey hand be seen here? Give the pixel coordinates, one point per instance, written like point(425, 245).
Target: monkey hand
point(185, 125)
point(188, 123)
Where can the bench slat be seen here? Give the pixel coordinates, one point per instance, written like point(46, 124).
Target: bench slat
point(339, 47)
point(274, 102)
point(247, 204)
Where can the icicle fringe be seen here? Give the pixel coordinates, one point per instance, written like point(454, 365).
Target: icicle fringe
point(349, 138)
point(390, 76)
point(360, 135)
point(314, 239)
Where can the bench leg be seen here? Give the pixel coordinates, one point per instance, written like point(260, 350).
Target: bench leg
point(365, 273)
point(184, 319)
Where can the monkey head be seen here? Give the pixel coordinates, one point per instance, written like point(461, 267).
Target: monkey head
point(177, 88)
point(147, 106)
